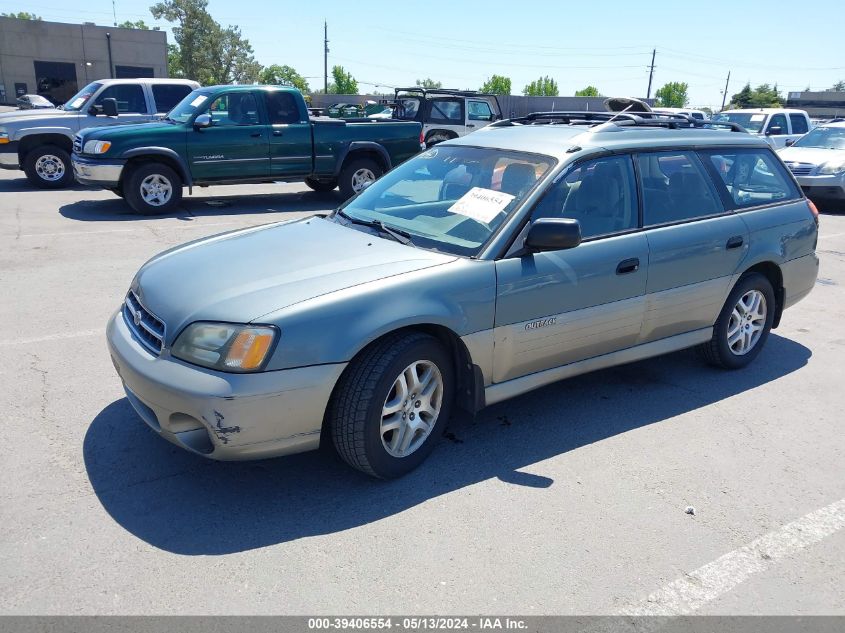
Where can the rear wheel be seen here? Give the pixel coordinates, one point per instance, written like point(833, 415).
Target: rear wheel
point(392, 404)
point(321, 185)
point(48, 167)
point(743, 324)
point(435, 138)
point(358, 174)
point(152, 188)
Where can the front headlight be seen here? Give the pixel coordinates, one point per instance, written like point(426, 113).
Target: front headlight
point(226, 346)
point(4, 137)
point(832, 167)
point(96, 147)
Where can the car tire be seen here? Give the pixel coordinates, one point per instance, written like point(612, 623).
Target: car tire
point(370, 398)
point(437, 137)
point(743, 325)
point(321, 185)
point(48, 167)
point(356, 174)
point(152, 188)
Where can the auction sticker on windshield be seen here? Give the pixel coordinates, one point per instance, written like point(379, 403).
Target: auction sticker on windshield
point(198, 100)
point(481, 204)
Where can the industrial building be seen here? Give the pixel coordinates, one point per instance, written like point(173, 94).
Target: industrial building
point(820, 105)
point(55, 60)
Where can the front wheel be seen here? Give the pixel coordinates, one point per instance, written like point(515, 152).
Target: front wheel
point(357, 175)
point(152, 188)
point(743, 324)
point(321, 185)
point(48, 167)
point(391, 405)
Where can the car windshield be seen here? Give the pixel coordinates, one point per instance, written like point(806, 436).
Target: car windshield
point(826, 137)
point(751, 121)
point(78, 101)
point(188, 106)
point(451, 198)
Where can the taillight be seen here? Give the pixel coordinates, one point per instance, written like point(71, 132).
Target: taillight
point(813, 210)
point(422, 140)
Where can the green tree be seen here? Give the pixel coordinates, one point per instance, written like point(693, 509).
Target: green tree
point(429, 84)
point(204, 50)
point(672, 95)
point(839, 86)
point(283, 75)
point(138, 24)
point(742, 99)
point(763, 96)
point(542, 87)
point(497, 85)
point(589, 91)
point(21, 15)
point(344, 83)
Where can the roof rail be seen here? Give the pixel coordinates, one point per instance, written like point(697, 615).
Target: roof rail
point(621, 119)
point(444, 91)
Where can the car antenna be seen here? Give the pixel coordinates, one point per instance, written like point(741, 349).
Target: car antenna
point(607, 123)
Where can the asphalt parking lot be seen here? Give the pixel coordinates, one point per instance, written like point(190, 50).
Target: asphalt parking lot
point(569, 500)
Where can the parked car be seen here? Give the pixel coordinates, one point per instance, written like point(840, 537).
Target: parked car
point(817, 160)
point(446, 114)
point(779, 126)
point(442, 286)
point(238, 134)
point(695, 114)
point(40, 142)
point(34, 102)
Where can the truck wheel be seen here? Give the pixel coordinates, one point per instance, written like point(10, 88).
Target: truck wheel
point(357, 174)
point(321, 185)
point(743, 324)
point(48, 167)
point(391, 405)
point(152, 188)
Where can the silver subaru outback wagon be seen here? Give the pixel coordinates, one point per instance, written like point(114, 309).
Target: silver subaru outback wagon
point(481, 269)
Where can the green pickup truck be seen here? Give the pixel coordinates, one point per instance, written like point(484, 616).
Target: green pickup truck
point(239, 134)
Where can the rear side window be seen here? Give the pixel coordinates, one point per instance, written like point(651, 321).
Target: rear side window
point(168, 95)
point(281, 107)
point(799, 123)
point(450, 111)
point(751, 177)
point(675, 188)
point(129, 97)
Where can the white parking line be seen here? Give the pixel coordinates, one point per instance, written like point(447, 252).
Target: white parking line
point(827, 237)
point(692, 591)
point(188, 225)
point(51, 337)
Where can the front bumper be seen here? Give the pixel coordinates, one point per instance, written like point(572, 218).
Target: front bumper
point(826, 187)
point(219, 415)
point(92, 171)
point(9, 155)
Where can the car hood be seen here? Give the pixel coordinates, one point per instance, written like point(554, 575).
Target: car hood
point(123, 130)
point(22, 115)
point(243, 275)
point(812, 155)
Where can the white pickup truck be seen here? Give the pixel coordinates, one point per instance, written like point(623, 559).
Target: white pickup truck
point(40, 141)
point(779, 126)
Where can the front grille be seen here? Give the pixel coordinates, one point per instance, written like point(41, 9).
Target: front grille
point(800, 169)
point(77, 144)
point(146, 326)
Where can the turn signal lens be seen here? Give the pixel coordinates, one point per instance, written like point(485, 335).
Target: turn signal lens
point(813, 210)
point(4, 138)
point(248, 350)
point(96, 147)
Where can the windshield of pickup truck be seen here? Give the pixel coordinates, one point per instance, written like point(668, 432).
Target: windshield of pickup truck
point(825, 137)
point(751, 121)
point(187, 107)
point(450, 199)
point(78, 101)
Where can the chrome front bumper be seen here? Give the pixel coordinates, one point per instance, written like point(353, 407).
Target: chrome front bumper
point(830, 186)
point(105, 173)
point(219, 415)
point(9, 156)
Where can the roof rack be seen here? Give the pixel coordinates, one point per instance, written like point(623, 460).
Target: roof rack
point(621, 119)
point(444, 91)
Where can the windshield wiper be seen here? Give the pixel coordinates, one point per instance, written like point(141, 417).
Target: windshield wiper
point(403, 237)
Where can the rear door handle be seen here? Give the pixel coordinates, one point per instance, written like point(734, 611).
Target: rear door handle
point(470, 124)
point(734, 242)
point(628, 266)
point(255, 134)
point(277, 132)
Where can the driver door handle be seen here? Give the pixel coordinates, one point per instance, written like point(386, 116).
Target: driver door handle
point(734, 242)
point(255, 134)
point(628, 266)
point(277, 132)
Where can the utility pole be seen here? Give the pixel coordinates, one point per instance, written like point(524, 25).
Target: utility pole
point(325, 58)
point(725, 93)
point(114, 12)
point(650, 74)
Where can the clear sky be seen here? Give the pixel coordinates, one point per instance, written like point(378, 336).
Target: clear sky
point(462, 42)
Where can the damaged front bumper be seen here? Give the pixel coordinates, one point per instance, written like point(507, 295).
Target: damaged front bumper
point(219, 415)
